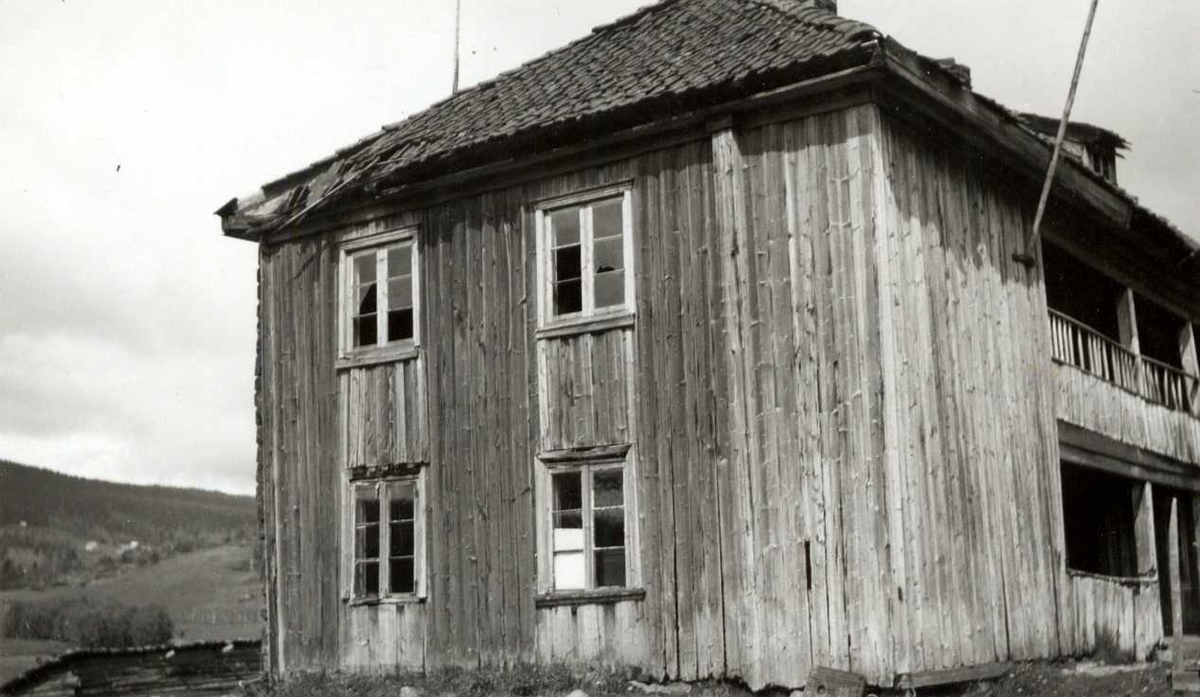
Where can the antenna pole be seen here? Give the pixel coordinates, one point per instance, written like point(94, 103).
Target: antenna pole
point(457, 26)
point(1028, 258)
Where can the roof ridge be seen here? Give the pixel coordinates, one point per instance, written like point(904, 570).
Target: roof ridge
point(662, 54)
point(597, 31)
point(818, 18)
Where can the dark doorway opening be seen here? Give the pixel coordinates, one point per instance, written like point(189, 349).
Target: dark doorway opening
point(1098, 519)
point(1189, 588)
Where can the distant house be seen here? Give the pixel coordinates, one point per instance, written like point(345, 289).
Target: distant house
point(715, 343)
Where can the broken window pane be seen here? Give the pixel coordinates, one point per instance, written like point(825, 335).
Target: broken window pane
point(606, 218)
point(367, 301)
point(610, 289)
point(610, 568)
point(564, 226)
point(609, 254)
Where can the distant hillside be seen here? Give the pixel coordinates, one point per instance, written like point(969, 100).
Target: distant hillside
point(107, 511)
point(56, 529)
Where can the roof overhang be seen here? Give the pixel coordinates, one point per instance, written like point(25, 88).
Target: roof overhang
point(901, 80)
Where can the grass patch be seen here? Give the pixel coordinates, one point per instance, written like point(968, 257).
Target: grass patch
point(1108, 652)
point(519, 681)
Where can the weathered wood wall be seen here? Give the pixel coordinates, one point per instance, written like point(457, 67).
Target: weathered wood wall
point(837, 390)
point(1089, 402)
point(385, 403)
point(975, 506)
point(1127, 610)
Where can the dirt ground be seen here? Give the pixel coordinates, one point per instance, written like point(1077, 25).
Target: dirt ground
point(1064, 679)
point(1071, 679)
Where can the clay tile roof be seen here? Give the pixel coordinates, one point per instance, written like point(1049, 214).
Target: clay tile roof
point(1076, 130)
point(666, 58)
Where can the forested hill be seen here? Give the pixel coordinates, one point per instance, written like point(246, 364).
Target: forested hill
point(107, 511)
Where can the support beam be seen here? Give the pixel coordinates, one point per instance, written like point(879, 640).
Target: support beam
point(1143, 529)
point(1147, 629)
point(1127, 321)
point(1191, 365)
point(1173, 577)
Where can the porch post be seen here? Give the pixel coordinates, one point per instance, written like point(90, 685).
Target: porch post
point(1187, 353)
point(1127, 321)
point(1176, 591)
point(1143, 529)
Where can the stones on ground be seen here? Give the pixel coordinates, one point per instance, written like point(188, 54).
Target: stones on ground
point(408, 691)
point(675, 688)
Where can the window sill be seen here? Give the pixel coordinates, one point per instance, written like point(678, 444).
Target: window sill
point(574, 456)
point(586, 325)
point(388, 600)
point(601, 596)
point(1144, 580)
point(377, 355)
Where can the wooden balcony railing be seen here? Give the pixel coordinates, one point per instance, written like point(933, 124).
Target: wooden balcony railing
point(1075, 343)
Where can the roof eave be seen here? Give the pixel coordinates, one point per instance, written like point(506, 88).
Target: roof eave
point(236, 223)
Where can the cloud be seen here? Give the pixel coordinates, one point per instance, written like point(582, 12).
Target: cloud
point(127, 322)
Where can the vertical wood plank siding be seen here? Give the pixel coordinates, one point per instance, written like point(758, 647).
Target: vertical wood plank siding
point(1103, 407)
point(837, 389)
point(974, 449)
point(385, 418)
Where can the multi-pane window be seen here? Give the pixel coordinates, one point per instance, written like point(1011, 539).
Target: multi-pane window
point(381, 295)
point(586, 265)
point(588, 532)
point(386, 539)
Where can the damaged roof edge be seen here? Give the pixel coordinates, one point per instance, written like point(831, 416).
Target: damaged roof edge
point(267, 209)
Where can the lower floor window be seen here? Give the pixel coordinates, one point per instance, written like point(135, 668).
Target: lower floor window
point(387, 538)
point(1098, 520)
point(589, 536)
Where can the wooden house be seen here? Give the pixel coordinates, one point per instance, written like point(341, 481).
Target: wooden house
point(703, 345)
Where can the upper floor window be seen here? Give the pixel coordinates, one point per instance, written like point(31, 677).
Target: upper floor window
point(585, 255)
point(380, 291)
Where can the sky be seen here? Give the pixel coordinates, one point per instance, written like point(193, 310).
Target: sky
point(127, 322)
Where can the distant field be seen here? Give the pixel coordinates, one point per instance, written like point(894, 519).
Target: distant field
point(210, 594)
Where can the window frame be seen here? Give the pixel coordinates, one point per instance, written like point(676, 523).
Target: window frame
point(545, 257)
point(586, 464)
point(381, 490)
point(348, 353)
